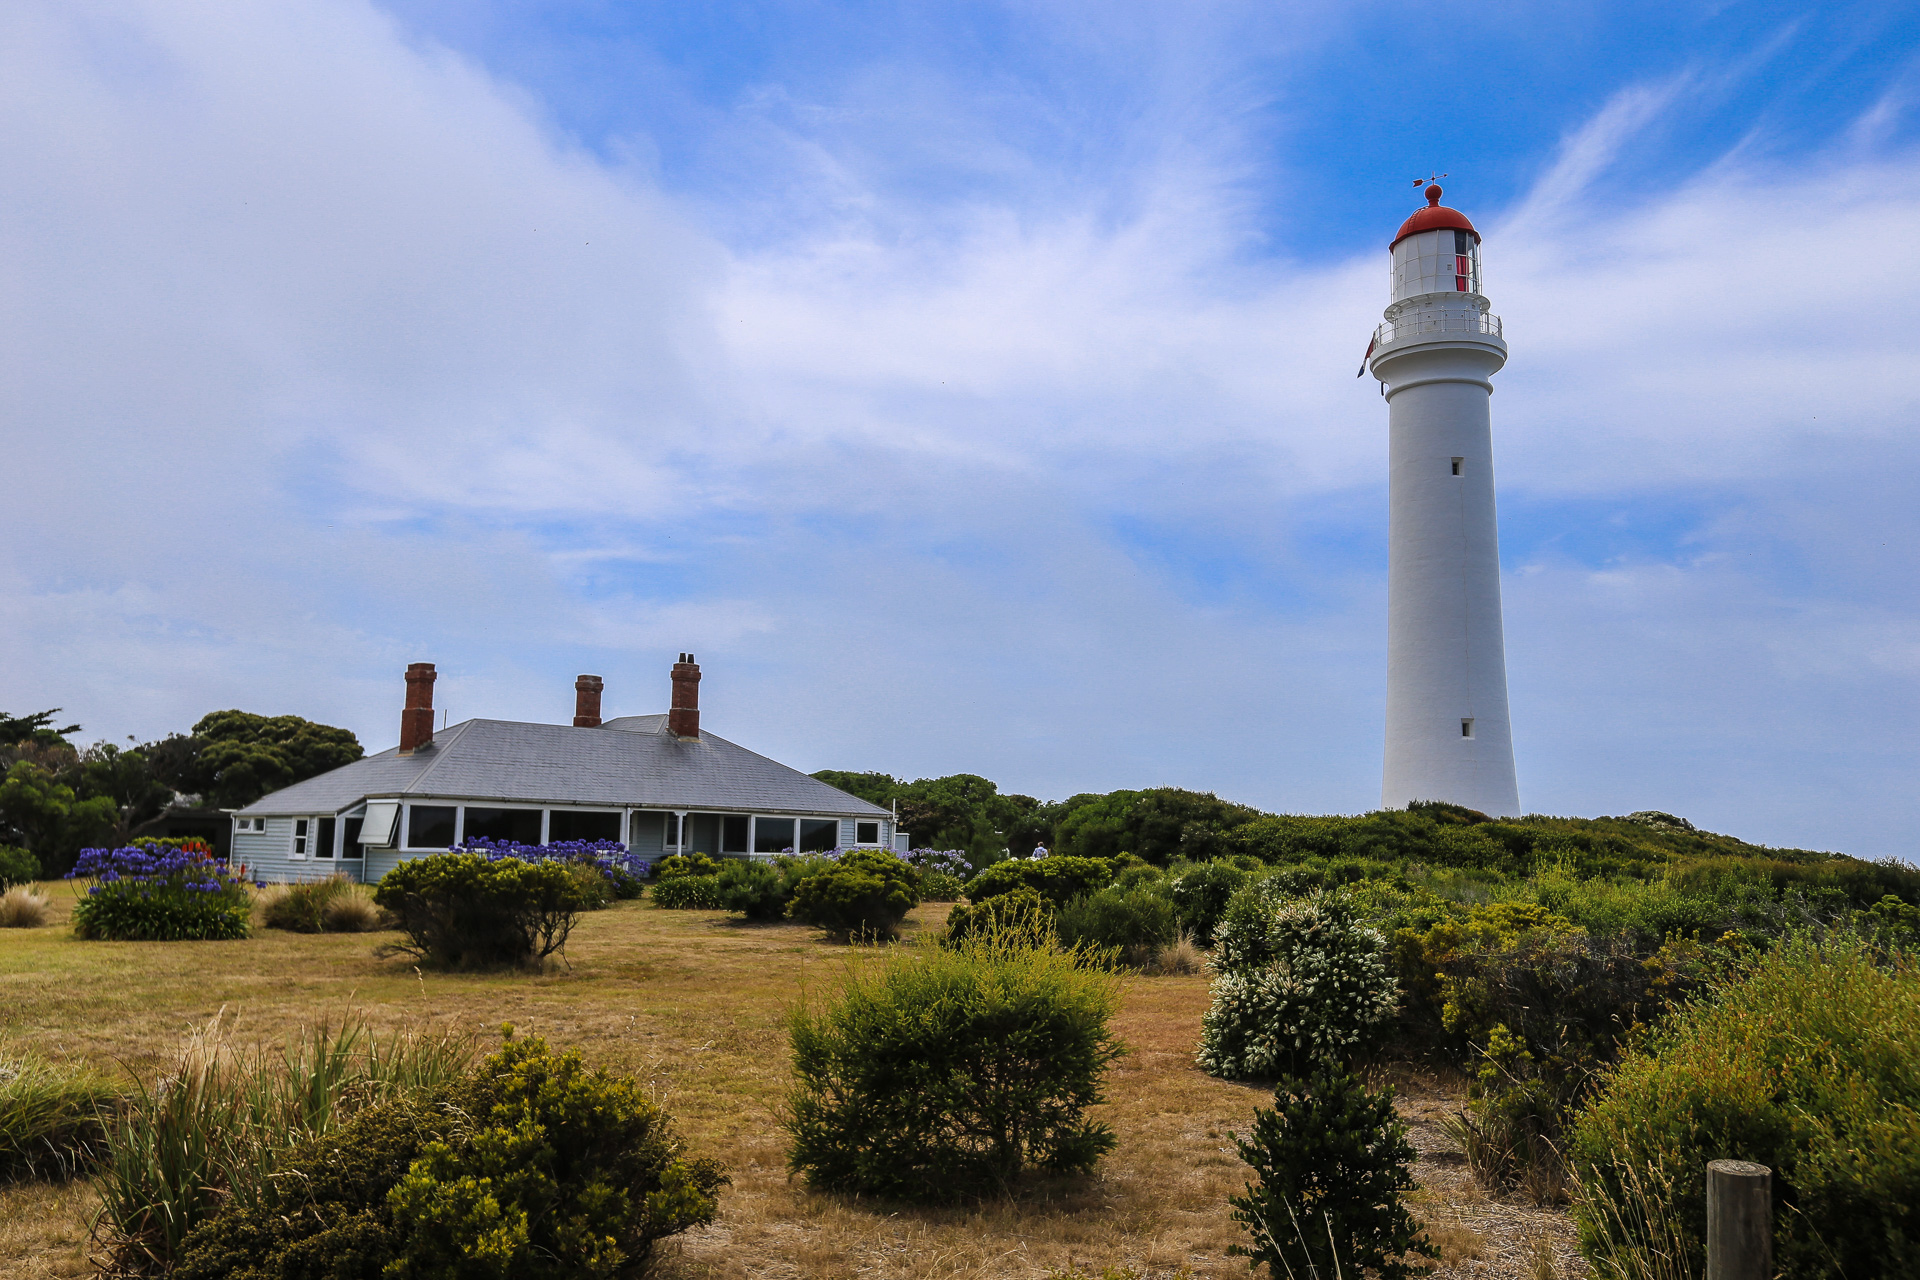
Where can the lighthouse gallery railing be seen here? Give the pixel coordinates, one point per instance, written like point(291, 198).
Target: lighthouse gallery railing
point(1437, 322)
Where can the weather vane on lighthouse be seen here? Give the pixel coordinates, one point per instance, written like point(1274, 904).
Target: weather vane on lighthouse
point(1448, 732)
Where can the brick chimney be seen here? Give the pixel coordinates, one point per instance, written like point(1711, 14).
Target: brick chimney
point(416, 722)
point(683, 721)
point(586, 702)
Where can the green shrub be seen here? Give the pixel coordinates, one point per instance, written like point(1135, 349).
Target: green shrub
point(757, 890)
point(50, 1116)
point(1807, 1064)
point(939, 886)
point(530, 1166)
point(1056, 878)
point(867, 893)
point(1330, 1162)
point(1300, 984)
point(1135, 923)
point(688, 893)
point(213, 1131)
point(462, 909)
point(675, 865)
point(159, 894)
point(1200, 895)
point(1020, 910)
point(17, 866)
point(1141, 875)
point(943, 1075)
point(566, 1173)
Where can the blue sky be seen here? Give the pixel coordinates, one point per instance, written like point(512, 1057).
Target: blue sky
point(971, 387)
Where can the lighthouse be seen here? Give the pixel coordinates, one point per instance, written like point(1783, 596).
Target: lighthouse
point(1448, 733)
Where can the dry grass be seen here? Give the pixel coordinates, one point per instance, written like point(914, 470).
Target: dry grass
point(693, 1004)
point(1181, 957)
point(24, 907)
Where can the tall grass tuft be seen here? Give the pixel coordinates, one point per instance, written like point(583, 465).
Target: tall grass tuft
point(51, 1113)
point(1631, 1226)
point(23, 907)
point(215, 1127)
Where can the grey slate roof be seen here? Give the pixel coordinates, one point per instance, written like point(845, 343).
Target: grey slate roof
point(629, 761)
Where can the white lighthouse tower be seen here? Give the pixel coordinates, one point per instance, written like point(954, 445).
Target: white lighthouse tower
point(1448, 735)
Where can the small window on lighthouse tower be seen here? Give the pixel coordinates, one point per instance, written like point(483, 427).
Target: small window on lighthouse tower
point(1466, 728)
point(1456, 465)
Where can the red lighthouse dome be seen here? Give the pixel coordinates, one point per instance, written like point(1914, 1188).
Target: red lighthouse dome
point(1433, 218)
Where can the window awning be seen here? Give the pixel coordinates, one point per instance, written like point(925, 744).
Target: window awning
point(383, 817)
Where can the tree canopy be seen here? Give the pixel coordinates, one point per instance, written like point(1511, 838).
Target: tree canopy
point(242, 756)
point(56, 800)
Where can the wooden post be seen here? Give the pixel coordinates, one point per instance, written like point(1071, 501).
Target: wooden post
point(1739, 1221)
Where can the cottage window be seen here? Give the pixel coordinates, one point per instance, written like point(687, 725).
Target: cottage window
point(429, 826)
point(323, 838)
point(817, 835)
point(734, 833)
point(572, 824)
point(521, 826)
point(774, 835)
point(382, 820)
point(866, 833)
point(299, 837)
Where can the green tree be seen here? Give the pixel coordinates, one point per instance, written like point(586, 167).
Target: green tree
point(1159, 824)
point(244, 756)
point(45, 814)
point(36, 728)
point(127, 778)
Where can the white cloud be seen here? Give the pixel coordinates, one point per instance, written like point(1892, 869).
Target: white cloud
point(321, 355)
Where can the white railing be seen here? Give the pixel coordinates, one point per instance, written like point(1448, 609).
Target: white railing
point(1432, 322)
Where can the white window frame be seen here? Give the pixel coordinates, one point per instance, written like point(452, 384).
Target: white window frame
point(249, 826)
point(879, 829)
point(299, 839)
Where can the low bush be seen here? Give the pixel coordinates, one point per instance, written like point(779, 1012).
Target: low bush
point(676, 865)
point(757, 890)
point(688, 893)
point(24, 907)
point(944, 1075)
point(867, 893)
point(17, 866)
point(1804, 1063)
point(603, 869)
point(1300, 984)
point(213, 1130)
point(332, 905)
point(1200, 895)
point(1330, 1162)
point(1022, 910)
point(157, 893)
point(938, 886)
point(1056, 878)
point(464, 909)
point(1135, 923)
point(51, 1116)
point(530, 1166)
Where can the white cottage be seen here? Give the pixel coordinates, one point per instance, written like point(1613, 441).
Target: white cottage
point(656, 783)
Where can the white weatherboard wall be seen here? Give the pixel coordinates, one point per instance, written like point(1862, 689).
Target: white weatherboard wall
point(1449, 736)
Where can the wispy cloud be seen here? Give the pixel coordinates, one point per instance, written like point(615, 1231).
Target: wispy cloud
point(324, 353)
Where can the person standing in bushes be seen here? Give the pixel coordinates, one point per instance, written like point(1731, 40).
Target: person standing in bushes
point(1039, 852)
